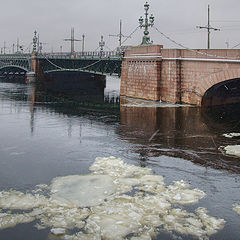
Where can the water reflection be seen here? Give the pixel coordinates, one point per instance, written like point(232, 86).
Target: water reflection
point(224, 118)
point(41, 99)
point(42, 128)
point(183, 132)
point(68, 130)
point(79, 83)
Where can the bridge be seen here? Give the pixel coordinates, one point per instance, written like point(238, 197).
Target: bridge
point(11, 64)
point(199, 77)
point(202, 77)
point(104, 63)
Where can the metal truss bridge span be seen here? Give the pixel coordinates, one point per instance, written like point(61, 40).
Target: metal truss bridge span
point(103, 63)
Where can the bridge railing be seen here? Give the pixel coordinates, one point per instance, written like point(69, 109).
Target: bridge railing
point(15, 56)
point(84, 55)
point(67, 55)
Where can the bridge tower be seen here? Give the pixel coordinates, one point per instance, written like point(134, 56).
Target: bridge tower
point(35, 62)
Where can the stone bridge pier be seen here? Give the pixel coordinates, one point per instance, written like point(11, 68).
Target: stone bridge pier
point(200, 77)
point(36, 66)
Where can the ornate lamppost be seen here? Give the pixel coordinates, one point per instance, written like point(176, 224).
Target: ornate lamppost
point(146, 23)
point(101, 45)
point(35, 39)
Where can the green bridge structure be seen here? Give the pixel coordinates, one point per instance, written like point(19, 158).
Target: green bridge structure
point(103, 63)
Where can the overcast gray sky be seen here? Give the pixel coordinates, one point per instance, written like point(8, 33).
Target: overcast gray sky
point(53, 20)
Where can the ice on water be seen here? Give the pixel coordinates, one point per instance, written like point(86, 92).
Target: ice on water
point(18, 200)
point(151, 104)
point(82, 191)
point(233, 150)
point(231, 135)
point(116, 201)
point(236, 208)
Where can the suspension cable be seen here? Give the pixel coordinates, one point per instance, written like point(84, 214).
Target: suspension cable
point(130, 34)
point(68, 69)
point(235, 46)
point(90, 64)
point(55, 65)
point(128, 37)
point(109, 48)
point(192, 50)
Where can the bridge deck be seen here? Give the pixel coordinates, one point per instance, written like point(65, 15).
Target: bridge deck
point(104, 63)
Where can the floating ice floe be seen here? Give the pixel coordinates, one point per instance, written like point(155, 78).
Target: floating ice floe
point(233, 150)
point(236, 208)
point(8, 220)
point(116, 201)
point(133, 102)
point(58, 231)
point(82, 191)
point(231, 135)
point(18, 200)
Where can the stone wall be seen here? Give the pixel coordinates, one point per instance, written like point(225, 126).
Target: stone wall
point(141, 72)
point(176, 75)
point(187, 75)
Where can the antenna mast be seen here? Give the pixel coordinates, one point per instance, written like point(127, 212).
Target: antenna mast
point(120, 35)
point(209, 28)
point(72, 40)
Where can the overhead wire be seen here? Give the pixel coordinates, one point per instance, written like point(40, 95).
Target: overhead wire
point(235, 46)
point(108, 48)
point(28, 48)
point(192, 50)
point(96, 49)
point(130, 34)
point(128, 37)
point(225, 20)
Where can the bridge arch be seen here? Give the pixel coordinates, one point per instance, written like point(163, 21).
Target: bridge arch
point(213, 84)
point(225, 92)
point(8, 67)
point(77, 71)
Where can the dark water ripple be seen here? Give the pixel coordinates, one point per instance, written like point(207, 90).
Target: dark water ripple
point(45, 135)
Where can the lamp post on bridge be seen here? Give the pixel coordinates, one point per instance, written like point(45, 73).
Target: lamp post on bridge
point(35, 40)
point(101, 45)
point(146, 23)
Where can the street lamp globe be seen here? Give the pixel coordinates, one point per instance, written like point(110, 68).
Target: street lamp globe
point(146, 6)
point(140, 20)
point(151, 20)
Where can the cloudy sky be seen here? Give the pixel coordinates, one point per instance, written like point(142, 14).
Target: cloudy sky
point(178, 19)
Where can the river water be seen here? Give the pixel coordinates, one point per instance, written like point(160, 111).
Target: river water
point(45, 135)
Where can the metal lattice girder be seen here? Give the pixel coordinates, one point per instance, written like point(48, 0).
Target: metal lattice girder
point(104, 66)
point(106, 63)
point(20, 61)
